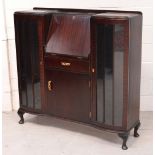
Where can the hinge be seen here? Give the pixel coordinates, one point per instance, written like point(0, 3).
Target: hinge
point(90, 114)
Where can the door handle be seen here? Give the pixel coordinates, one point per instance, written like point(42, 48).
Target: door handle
point(49, 85)
point(65, 63)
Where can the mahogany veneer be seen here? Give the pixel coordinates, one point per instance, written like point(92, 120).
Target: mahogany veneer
point(81, 65)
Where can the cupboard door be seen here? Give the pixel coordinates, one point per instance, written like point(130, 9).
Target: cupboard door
point(110, 48)
point(28, 62)
point(68, 95)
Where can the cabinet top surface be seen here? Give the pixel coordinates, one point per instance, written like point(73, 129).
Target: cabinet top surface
point(116, 15)
point(39, 10)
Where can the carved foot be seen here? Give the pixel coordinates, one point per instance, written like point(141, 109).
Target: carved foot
point(124, 136)
point(21, 113)
point(136, 129)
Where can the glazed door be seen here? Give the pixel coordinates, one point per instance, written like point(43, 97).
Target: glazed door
point(68, 95)
point(27, 46)
point(110, 49)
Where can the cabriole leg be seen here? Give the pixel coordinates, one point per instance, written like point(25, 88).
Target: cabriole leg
point(136, 129)
point(21, 113)
point(124, 136)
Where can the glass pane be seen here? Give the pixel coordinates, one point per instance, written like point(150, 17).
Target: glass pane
point(110, 50)
point(23, 64)
point(26, 67)
point(32, 51)
point(35, 65)
point(108, 73)
point(37, 99)
point(23, 93)
point(29, 60)
point(100, 74)
point(118, 74)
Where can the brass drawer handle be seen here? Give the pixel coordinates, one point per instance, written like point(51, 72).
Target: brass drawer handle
point(65, 63)
point(50, 85)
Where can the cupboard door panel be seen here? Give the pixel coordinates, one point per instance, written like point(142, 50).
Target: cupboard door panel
point(69, 96)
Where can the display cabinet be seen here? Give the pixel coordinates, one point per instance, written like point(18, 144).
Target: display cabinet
point(81, 65)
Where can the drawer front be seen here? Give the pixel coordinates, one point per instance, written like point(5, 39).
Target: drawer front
point(68, 64)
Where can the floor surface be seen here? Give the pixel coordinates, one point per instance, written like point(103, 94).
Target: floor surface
point(45, 135)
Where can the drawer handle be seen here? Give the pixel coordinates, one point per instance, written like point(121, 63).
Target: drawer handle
point(65, 63)
point(50, 85)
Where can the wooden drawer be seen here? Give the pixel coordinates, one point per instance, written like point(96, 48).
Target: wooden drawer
point(75, 65)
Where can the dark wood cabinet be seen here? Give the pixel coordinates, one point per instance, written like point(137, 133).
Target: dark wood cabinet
point(81, 65)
